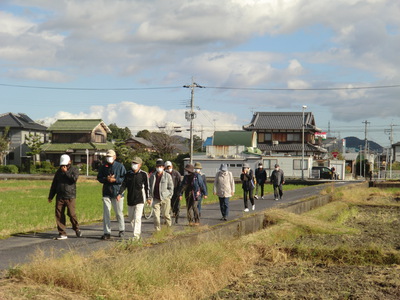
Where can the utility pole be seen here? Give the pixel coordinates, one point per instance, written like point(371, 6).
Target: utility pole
point(302, 142)
point(366, 145)
point(360, 159)
point(389, 160)
point(191, 115)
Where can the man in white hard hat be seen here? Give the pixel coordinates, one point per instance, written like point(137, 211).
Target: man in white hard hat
point(111, 175)
point(64, 186)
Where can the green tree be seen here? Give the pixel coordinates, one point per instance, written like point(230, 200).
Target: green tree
point(124, 153)
point(197, 143)
point(4, 144)
point(118, 134)
point(144, 134)
point(34, 142)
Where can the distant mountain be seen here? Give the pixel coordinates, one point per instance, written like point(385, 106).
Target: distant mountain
point(355, 142)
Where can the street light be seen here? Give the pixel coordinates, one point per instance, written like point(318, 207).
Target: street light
point(302, 144)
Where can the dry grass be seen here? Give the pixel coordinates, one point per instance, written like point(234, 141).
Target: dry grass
point(193, 272)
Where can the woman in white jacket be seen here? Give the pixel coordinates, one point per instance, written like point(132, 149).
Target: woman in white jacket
point(224, 188)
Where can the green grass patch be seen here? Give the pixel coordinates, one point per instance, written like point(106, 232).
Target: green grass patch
point(25, 207)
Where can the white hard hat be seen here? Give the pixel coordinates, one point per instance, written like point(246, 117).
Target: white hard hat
point(64, 160)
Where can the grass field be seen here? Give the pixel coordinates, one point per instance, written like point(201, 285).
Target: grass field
point(24, 206)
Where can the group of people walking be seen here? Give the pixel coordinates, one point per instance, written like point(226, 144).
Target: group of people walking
point(163, 189)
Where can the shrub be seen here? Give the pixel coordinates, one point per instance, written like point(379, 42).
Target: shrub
point(13, 169)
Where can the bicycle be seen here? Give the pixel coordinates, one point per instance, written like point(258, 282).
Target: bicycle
point(147, 210)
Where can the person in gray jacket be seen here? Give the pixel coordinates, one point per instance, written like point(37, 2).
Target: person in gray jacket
point(277, 180)
point(161, 191)
point(224, 188)
point(64, 186)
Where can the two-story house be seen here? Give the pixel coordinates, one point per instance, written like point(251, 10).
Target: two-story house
point(20, 128)
point(281, 133)
point(84, 140)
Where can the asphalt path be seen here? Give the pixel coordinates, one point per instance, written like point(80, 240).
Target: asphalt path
point(19, 249)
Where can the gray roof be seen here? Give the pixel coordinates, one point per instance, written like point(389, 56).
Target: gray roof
point(281, 120)
point(141, 141)
point(21, 121)
point(290, 148)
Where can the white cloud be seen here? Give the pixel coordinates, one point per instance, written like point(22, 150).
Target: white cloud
point(38, 74)
point(139, 117)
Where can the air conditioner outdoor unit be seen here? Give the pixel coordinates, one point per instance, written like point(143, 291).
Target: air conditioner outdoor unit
point(275, 143)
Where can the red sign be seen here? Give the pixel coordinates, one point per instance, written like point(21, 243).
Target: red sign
point(335, 154)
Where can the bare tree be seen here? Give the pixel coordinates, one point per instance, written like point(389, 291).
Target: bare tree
point(164, 141)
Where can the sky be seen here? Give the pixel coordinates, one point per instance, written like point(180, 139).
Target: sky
point(127, 62)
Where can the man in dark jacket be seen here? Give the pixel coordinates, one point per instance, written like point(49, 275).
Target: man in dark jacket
point(176, 179)
point(248, 186)
point(64, 186)
point(193, 186)
point(261, 177)
point(277, 180)
point(137, 183)
point(111, 175)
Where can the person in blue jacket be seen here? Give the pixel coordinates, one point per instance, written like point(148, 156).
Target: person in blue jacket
point(111, 175)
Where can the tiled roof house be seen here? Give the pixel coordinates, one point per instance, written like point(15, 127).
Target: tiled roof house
point(79, 138)
point(281, 132)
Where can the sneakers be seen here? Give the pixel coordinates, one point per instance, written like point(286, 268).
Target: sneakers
point(256, 197)
point(253, 207)
point(105, 236)
point(246, 209)
point(262, 197)
point(61, 237)
point(121, 233)
point(78, 233)
point(276, 199)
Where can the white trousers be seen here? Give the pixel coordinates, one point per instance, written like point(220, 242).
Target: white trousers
point(118, 207)
point(161, 207)
point(135, 218)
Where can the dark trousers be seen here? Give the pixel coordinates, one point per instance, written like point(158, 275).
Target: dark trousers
point(250, 194)
point(224, 206)
point(175, 204)
point(192, 210)
point(61, 204)
point(278, 192)
point(261, 185)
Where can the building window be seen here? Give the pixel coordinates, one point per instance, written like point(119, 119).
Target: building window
point(99, 138)
point(293, 137)
point(11, 156)
point(297, 164)
point(260, 137)
point(267, 137)
point(269, 164)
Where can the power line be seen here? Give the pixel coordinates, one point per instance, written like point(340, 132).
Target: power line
point(90, 89)
point(209, 87)
point(309, 89)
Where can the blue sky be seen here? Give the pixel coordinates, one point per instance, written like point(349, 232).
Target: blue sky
point(156, 47)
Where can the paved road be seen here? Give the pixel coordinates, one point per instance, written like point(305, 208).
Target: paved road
point(19, 249)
